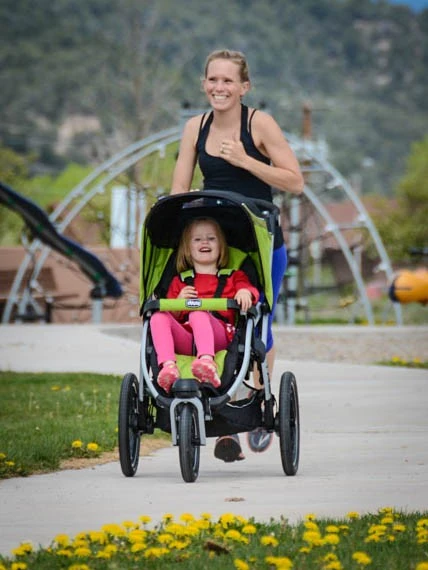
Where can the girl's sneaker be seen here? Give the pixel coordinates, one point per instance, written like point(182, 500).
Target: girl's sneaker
point(168, 375)
point(204, 369)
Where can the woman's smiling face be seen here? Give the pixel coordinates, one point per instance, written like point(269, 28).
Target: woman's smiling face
point(223, 85)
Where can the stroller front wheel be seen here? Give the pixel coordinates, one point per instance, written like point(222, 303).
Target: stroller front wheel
point(189, 443)
point(129, 432)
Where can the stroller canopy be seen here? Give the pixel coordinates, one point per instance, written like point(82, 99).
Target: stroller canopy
point(248, 226)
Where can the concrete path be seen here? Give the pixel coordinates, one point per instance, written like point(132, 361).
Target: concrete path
point(363, 446)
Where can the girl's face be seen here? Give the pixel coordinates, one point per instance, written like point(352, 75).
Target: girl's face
point(204, 244)
point(222, 84)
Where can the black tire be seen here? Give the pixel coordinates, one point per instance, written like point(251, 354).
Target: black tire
point(129, 433)
point(189, 443)
point(289, 423)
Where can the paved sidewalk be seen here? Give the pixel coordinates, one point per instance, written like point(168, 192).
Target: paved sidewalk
point(363, 446)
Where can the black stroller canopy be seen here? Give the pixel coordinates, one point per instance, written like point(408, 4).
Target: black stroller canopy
point(170, 215)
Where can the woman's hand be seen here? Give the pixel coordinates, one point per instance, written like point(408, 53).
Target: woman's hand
point(233, 151)
point(244, 299)
point(188, 292)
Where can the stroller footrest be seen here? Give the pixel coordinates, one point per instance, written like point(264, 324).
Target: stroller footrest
point(185, 388)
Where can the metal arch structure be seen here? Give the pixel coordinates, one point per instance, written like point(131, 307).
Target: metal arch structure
point(310, 156)
point(312, 159)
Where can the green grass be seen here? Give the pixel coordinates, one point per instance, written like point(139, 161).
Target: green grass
point(45, 418)
point(42, 415)
point(386, 540)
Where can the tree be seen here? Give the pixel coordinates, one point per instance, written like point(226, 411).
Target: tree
point(404, 225)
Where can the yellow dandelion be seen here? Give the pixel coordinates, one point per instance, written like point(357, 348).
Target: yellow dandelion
point(92, 446)
point(311, 525)
point(399, 527)
point(387, 520)
point(2, 456)
point(280, 562)
point(179, 544)
point(19, 566)
point(155, 552)
point(55, 388)
point(165, 538)
point(103, 554)
point(331, 539)
point(240, 564)
point(82, 552)
point(23, 549)
point(332, 528)
point(138, 547)
point(362, 558)
point(129, 524)
point(422, 566)
point(227, 519)
point(137, 535)
point(310, 517)
point(168, 517)
point(353, 515)
point(2, 567)
point(114, 530)
point(333, 565)
point(62, 540)
point(145, 519)
point(79, 567)
point(187, 517)
point(111, 548)
point(77, 444)
point(304, 550)
point(64, 552)
point(9, 463)
point(206, 516)
point(312, 537)
point(269, 541)
point(97, 536)
point(249, 529)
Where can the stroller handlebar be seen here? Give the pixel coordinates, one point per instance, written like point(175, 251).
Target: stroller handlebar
point(212, 304)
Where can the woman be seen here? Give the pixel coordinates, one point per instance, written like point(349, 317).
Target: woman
point(238, 149)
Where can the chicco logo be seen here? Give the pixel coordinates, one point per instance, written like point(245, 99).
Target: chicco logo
point(193, 303)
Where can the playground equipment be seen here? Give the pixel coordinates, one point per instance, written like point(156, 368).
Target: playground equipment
point(325, 187)
point(43, 230)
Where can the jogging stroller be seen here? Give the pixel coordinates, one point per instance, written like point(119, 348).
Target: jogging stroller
point(195, 411)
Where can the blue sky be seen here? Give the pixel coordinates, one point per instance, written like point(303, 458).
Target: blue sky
point(417, 5)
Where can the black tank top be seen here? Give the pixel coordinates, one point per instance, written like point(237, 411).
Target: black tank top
point(221, 175)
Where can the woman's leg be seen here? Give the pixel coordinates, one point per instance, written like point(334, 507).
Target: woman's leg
point(279, 265)
point(169, 337)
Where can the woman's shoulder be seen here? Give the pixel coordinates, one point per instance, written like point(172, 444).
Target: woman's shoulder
point(261, 118)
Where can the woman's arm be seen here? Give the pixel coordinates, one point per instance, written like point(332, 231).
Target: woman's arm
point(186, 161)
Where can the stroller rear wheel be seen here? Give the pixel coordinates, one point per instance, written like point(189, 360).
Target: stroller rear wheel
point(288, 424)
point(189, 443)
point(129, 433)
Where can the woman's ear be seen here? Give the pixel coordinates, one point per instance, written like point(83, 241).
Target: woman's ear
point(245, 87)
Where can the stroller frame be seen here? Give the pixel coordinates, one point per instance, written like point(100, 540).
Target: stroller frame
point(196, 411)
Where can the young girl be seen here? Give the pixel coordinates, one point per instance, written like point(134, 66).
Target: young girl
point(202, 248)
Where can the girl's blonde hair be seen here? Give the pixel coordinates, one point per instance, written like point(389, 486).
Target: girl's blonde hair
point(184, 259)
point(231, 55)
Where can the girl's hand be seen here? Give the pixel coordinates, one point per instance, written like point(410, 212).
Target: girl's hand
point(188, 292)
point(244, 299)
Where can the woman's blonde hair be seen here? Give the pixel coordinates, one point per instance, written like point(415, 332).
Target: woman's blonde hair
point(231, 55)
point(184, 258)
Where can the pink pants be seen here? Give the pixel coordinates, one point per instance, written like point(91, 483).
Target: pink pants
point(170, 337)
